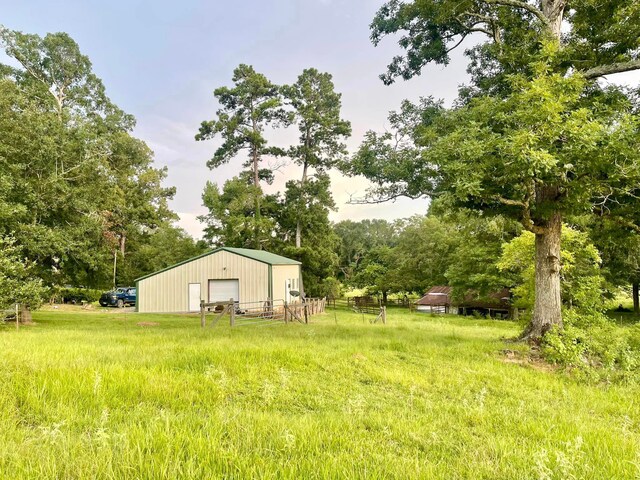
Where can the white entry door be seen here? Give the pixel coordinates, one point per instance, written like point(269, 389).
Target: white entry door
point(223, 290)
point(194, 297)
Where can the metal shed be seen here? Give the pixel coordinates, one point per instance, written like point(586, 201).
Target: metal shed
point(240, 273)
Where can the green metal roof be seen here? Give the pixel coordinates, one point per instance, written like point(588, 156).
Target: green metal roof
point(262, 256)
point(258, 255)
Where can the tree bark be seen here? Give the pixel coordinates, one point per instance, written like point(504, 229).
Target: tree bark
point(553, 10)
point(256, 184)
point(636, 298)
point(299, 223)
point(547, 310)
point(25, 314)
point(115, 266)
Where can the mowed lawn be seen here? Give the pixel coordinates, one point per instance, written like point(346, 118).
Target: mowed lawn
point(93, 395)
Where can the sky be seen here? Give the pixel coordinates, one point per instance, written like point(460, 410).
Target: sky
point(161, 60)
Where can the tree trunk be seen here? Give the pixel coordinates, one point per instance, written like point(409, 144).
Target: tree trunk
point(553, 10)
point(25, 314)
point(547, 310)
point(636, 299)
point(257, 213)
point(115, 266)
point(384, 297)
point(298, 234)
point(299, 223)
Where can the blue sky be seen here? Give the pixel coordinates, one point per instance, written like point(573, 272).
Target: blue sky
point(161, 60)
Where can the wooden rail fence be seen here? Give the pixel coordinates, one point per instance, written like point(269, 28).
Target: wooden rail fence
point(269, 312)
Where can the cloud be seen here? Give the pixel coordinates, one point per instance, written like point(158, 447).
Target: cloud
point(190, 224)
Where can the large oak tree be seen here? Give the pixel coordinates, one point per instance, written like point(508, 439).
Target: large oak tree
point(534, 136)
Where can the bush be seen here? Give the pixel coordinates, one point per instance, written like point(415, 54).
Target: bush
point(76, 295)
point(18, 282)
point(330, 288)
point(592, 346)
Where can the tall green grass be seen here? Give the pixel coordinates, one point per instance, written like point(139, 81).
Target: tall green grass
point(95, 396)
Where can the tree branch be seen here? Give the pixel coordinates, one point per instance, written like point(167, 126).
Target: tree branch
point(370, 199)
point(527, 221)
point(603, 70)
point(524, 5)
point(511, 203)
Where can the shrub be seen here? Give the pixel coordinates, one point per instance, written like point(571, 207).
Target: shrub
point(76, 295)
point(18, 283)
point(592, 346)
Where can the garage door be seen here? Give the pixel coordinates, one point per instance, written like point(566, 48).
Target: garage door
point(223, 290)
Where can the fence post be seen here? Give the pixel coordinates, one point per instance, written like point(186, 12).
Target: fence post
point(306, 312)
point(202, 316)
point(384, 315)
point(17, 318)
point(232, 313)
point(285, 313)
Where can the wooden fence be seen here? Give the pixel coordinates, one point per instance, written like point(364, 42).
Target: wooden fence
point(11, 314)
point(368, 305)
point(365, 301)
point(269, 312)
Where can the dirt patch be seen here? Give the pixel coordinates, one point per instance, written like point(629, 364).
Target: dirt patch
point(530, 359)
point(147, 324)
point(87, 308)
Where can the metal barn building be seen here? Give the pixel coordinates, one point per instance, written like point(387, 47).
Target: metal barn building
point(219, 275)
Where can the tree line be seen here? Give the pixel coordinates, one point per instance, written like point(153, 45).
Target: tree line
point(535, 165)
point(81, 202)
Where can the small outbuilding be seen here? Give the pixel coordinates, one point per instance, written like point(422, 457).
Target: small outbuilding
point(436, 300)
point(242, 274)
point(495, 304)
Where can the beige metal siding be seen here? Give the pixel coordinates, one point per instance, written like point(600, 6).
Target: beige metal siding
point(281, 273)
point(168, 291)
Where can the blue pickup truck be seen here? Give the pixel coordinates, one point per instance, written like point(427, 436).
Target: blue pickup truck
point(119, 297)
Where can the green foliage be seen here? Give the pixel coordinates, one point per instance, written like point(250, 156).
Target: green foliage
point(18, 283)
point(75, 186)
point(583, 282)
point(534, 138)
point(375, 272)
point(473, 268)
point(318, 263)
point(331, 288)
point(426, 248)
point(393, 160)
point(358, 239)
point(75, 295)
point(231, 220)
point(513, 32)
point(246, 109)
point(316, 112)
point(304, 211)
point(592, 347)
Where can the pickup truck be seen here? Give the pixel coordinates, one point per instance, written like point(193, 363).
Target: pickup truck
point(119, 297)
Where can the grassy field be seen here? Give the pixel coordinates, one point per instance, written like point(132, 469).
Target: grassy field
point(94, 395)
